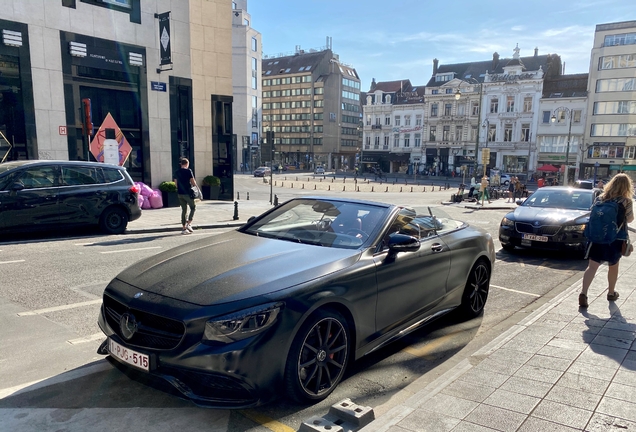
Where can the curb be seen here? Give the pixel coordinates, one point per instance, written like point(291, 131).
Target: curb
point(196, 227)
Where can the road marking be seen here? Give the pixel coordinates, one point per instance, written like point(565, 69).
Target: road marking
point(59, 308)
point(11, 262)
point(266, 422)
point(131, 250)
point(517, 291)
point(91, 338)
point(83, 244)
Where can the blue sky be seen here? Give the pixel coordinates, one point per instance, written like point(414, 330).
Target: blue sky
point(391, 40)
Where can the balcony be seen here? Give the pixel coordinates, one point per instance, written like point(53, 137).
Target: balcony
point(508, 115)
point(376, 126)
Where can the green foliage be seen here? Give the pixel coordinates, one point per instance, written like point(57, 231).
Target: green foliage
point(211, 180)
point(168, 186)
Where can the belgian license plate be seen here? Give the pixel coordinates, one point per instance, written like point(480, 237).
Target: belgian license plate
point(133, 358)
point(535, 237)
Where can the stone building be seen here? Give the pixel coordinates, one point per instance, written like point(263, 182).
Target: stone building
point(311, 101)
point(610, 138)
point(162, 70)
point(246, 79)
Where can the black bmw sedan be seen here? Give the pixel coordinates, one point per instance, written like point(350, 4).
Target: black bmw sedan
point(551, 218)
point(288, 300)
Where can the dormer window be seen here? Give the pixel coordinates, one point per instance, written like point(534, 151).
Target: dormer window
point(444, 77)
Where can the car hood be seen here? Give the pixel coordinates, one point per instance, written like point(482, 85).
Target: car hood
point(234, 266)
point(547, 215)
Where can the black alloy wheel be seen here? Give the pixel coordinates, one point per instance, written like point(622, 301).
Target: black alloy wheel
point(114, 220)
point(318, 357)
point(476, 291)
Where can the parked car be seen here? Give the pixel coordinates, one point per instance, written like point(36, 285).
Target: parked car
point(553, 217)
point(584, 184)
point(43, 194)
point(504, 179)
point(303, 290)
point(262, 171)
point(319, 170)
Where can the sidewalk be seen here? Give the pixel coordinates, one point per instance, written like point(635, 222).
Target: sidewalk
point(561, 369)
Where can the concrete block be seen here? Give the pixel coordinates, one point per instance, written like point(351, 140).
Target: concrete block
point(352, 413)
point(319, 424)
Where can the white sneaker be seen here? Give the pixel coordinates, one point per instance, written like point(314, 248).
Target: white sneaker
point(189, 228)
point(185, 231)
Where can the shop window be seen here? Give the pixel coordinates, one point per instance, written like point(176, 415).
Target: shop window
point(131, 7)
point(68, 3)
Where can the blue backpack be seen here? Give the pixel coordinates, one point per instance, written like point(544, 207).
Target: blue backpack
point(603, 225)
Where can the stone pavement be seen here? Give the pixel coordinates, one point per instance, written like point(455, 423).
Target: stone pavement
point(560, 369)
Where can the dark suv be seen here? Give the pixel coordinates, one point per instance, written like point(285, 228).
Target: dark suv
point(39, 195)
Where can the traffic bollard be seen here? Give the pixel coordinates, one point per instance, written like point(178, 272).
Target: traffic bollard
point(235, 217)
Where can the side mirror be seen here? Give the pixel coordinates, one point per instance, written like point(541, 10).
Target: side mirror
point(403, 243)
point(17, 186)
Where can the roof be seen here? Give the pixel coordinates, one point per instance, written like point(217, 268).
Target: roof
point(298, 63)
point(478, 69)
point(391, 86)
point(573, 85)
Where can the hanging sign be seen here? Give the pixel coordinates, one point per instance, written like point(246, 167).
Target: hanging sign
point(164, 38)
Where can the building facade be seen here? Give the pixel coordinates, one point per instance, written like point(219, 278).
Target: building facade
point(246, 80)
point(160, 76)
point(393, 121)
point(311, 101)
point(610, 138)
point(495, 107)
point(561, 128)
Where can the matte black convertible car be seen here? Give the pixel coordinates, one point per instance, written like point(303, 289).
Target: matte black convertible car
point(292, 297)
point(551, 218)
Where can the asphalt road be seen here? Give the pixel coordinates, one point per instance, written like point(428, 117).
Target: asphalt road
point(50, 296)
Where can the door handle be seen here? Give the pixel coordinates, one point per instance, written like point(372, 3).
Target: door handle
point(436, 247)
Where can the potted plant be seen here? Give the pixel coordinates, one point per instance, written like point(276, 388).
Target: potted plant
point(169, 194)
point(210, 187)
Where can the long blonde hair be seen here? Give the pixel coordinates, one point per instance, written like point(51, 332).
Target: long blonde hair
point(620, 186)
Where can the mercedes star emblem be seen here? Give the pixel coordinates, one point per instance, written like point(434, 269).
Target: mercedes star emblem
point(127, 325)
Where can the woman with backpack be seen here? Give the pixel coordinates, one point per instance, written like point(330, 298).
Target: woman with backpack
point(619, 190)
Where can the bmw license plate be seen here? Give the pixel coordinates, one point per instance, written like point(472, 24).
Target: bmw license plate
point(128, 356)
point(535, 237)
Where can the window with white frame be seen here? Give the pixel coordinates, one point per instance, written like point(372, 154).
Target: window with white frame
point(613, 129)
point(510, 104)
point(396, 140)
point(546, 117)
point(434, 109)
point(378, 121)
point(407, 120)
point(616, 85)
point(527, 104)
point(525, 132)
point(397, 120)
point(446, 133)
point(367, 143)
point(473, 133)
point(474, 108)
point(508, 132)
point(376, 143)
point(448, 108)
point(368, 119)
point(576, 116)
point(461, 109)
point(432, 133)
point(418, 120)
point(387, 120)
point(492, 133)
point(418, 140)
point(386, 143)
point(459, 133)
point(254, 44)
point(616, 107)
point(407, 140)
point(494, 105)
point(617, 61)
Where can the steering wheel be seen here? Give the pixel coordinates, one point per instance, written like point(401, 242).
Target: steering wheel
point(357, 233)
point(323, 225)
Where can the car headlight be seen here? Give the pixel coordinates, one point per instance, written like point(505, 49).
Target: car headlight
point(580, 227)
point(507, 222)
point(243, 324)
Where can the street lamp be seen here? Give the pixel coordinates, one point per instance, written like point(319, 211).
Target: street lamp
point(458, 95)
point(568, 113)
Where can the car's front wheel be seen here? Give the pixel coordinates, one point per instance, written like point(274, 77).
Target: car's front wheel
point(476, 290)
point(318, 357)
point(114, 220)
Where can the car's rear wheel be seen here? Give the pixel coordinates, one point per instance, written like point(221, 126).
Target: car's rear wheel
point(476, 291)
point(114, 220)
point(318, 357)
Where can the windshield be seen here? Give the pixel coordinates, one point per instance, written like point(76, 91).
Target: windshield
point(569, 199)
point(321, 223)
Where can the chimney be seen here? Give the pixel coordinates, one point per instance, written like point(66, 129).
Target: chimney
point(495, 60)
point(435, 65)
point(372, 84)
point(536, 52)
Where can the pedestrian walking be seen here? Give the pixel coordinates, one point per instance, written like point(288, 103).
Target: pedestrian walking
point(184, 179)
point(511, 189)
point(518, 188)
point(483, 188)
point(620, 190)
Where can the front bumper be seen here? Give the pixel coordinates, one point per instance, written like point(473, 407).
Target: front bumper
point(237, 375)
point(562, 240)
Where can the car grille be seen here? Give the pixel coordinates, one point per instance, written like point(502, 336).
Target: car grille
point(544, 230)
point(153, 331)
